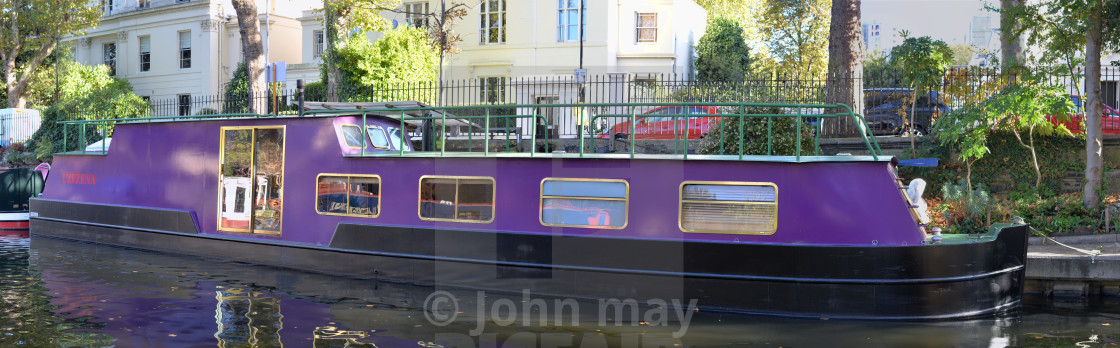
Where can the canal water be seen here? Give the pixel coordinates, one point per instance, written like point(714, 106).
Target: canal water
point(69, 294)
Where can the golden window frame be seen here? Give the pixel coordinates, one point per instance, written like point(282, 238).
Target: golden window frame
point(380, 184)
point(682, 202)
point(626, 201)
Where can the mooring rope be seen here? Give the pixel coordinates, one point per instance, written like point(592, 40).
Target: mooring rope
point(1092, 253)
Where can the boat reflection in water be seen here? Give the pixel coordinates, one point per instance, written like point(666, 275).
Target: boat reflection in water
point(100, 295)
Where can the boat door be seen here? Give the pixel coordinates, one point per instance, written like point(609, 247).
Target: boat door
point(252, 180)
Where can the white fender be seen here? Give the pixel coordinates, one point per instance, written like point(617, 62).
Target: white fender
point(915, 190)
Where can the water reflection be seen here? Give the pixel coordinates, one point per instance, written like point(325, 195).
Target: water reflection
point(62, 293)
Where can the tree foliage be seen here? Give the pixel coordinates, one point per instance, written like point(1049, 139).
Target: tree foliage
point(403, 55)
point(89, 92)
point(725, 137)
point(235, 99)
point(339, 18)
point(1022, 109)
point(796, 33)
point(923, 61)
point(400, 55)
point(30, 31)
point(965, 130)
point(743, 12)
point(962, 53)
point(722, 54)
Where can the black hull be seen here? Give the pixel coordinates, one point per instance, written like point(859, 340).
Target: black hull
point(909, 282)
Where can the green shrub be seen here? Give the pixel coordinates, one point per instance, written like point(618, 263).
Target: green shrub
point(723, 139)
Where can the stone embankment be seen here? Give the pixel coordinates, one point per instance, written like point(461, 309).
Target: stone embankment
point(1059, 271)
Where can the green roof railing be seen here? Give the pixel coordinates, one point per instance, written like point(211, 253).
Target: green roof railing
point(630, 114)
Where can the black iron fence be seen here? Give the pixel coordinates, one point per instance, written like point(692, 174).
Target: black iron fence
point(886, 104)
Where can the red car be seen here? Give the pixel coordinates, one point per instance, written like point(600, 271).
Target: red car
point(1110, 119)
point(661, 127)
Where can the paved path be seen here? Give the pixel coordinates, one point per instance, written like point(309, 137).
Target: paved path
point(1054, 262)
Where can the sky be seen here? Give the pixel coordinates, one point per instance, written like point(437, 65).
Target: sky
point(947, 20)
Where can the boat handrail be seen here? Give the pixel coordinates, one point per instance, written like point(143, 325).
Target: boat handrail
point(580, 111)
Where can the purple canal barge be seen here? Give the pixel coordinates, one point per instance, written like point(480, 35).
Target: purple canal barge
point(345, 192)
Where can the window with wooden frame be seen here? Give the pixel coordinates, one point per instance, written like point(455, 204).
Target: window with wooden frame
point(457, 198)
point(729, 207)
point(590, 203)
point(492, 28)
point(646, 27)
point(348, 195)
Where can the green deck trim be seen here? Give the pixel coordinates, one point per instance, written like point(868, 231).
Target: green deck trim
point(441, 114)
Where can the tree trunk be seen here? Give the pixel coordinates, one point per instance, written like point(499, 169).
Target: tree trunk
point(1094, 161)
point(253, 51)
point(1012, 48)
point(336, 25)
point(16, 86)
point(845, 64)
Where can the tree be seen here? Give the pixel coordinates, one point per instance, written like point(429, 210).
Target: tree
point(845, 64)
point(923, 62)
point(966, 130)
point(236, 97)
point(1023, 109)
point(1011, 42)
point(743, 12)
point(253, 51)
point(340, 16)
point(722, 54)
point(29, 33)
point(402, 55)
point(443, 37)
point(796, 32)
point(88, 92)
point(1094, 163)
point(962, 54)
point(1073, 33)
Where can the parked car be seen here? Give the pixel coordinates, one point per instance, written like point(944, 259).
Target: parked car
point(886, 108)
point(662, 127)
point(1110, 119)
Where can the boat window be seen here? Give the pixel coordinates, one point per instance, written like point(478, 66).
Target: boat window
point(377, 137)
point(395, 139)
point(461, 199)
point(353, 135)
point(591, 203)
point(348, 195)
point(729, 207)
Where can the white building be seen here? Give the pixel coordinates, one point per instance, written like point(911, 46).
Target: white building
point(182, 49)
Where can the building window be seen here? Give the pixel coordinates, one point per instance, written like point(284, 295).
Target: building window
point(109, 57)
point(184, 50)
point(570, 20)
point(320, 43)
point(493, 22)
point(143, 3)
point(591, 203)
point(647, 27)
point(107, 7)
point(416, 14)
point(349, 195)
point(184, 104)
point(457, 198)
point(729, 207)
point(145, 53)
point(492, 89)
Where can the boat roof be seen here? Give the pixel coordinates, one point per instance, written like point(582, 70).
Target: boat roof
point(403, 108)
